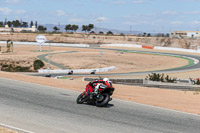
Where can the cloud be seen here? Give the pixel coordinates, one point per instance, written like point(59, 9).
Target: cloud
point(192, 13)
point(5, 10)
point(192, 0)
point(169, 12)
point(20, 12)
point(142, 22)
point(181, 13)
point(102, 19)
point(60, 13)
point(195, 22)
point(177, 22)
point(12, 1)
point(118, 2)
point(138, 1)
point(75, 20)
point(130, 23)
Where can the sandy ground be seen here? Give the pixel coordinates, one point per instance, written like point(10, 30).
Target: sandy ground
point(90, 58)
point(6, 130)
point(127, 62)
point(187, 101)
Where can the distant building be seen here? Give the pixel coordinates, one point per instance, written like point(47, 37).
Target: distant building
point(5, 29)
point(185, 34)
point(10, 29)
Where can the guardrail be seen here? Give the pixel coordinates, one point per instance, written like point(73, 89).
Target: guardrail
point(120, 81)
point(112, 45)
point(179, 85)
point(152, 47)
point(106, 69)
point(47, 44)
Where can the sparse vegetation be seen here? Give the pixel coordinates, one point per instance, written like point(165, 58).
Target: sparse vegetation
point(38, 64)
point(87, 28)
point(55, 28)
point(12, 68)
point(109, 33)
point(42, 28)
point(196, 91)
point(160, 78)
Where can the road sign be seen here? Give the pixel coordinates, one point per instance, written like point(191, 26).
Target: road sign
point(41, 39)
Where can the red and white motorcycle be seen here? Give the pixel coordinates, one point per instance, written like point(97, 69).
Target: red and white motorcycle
point(101, 97)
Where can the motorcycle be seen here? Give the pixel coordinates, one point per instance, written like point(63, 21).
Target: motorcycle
point(101, 98)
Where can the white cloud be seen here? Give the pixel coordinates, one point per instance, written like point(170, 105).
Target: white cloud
point(102, 19)
point(192, 12)
point(60, 13)
point(5, 10)
point(142, 22)
point(138, 1)
point(192, 0)
point(118, 2)
point(75, 20)
point(195, 22)
point(20, 12)
point(169, 12)
point(12, 1)
point(130, 23)
point(177, 22)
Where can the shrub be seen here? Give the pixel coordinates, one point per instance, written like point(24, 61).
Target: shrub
point(109, 33)
point(160, 77)
point(38, 64)
point(12, 68)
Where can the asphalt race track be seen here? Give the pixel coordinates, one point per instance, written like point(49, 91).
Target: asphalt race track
point(179, 69)
point(43, 109)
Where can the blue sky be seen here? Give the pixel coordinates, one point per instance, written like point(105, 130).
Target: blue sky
point(139, 15)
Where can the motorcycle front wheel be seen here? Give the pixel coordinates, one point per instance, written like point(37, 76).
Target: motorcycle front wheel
point(103, 100)
point(80, 99)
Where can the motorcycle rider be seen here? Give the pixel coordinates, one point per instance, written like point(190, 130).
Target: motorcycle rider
point(97, 83)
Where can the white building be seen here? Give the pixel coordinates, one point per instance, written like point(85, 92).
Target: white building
point(185, 34)
point(10, 29)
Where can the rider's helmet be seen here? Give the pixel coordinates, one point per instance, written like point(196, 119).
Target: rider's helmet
point(107, 80)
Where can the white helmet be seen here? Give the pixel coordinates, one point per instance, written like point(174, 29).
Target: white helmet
point(106, 79)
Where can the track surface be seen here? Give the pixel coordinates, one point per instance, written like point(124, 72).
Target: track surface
point(46, 109)
point(189, 67)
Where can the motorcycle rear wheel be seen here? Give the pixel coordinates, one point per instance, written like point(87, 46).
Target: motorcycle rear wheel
point(104, 101)
point(80, 99)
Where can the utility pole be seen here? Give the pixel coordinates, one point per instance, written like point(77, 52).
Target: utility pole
point(99, 20)
point(59, 26)
point(130, 30)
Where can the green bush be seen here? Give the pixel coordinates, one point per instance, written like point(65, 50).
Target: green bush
point(37, 64)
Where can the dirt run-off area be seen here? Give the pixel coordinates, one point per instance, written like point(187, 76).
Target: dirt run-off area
point(186, 101)
point(90, 58)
